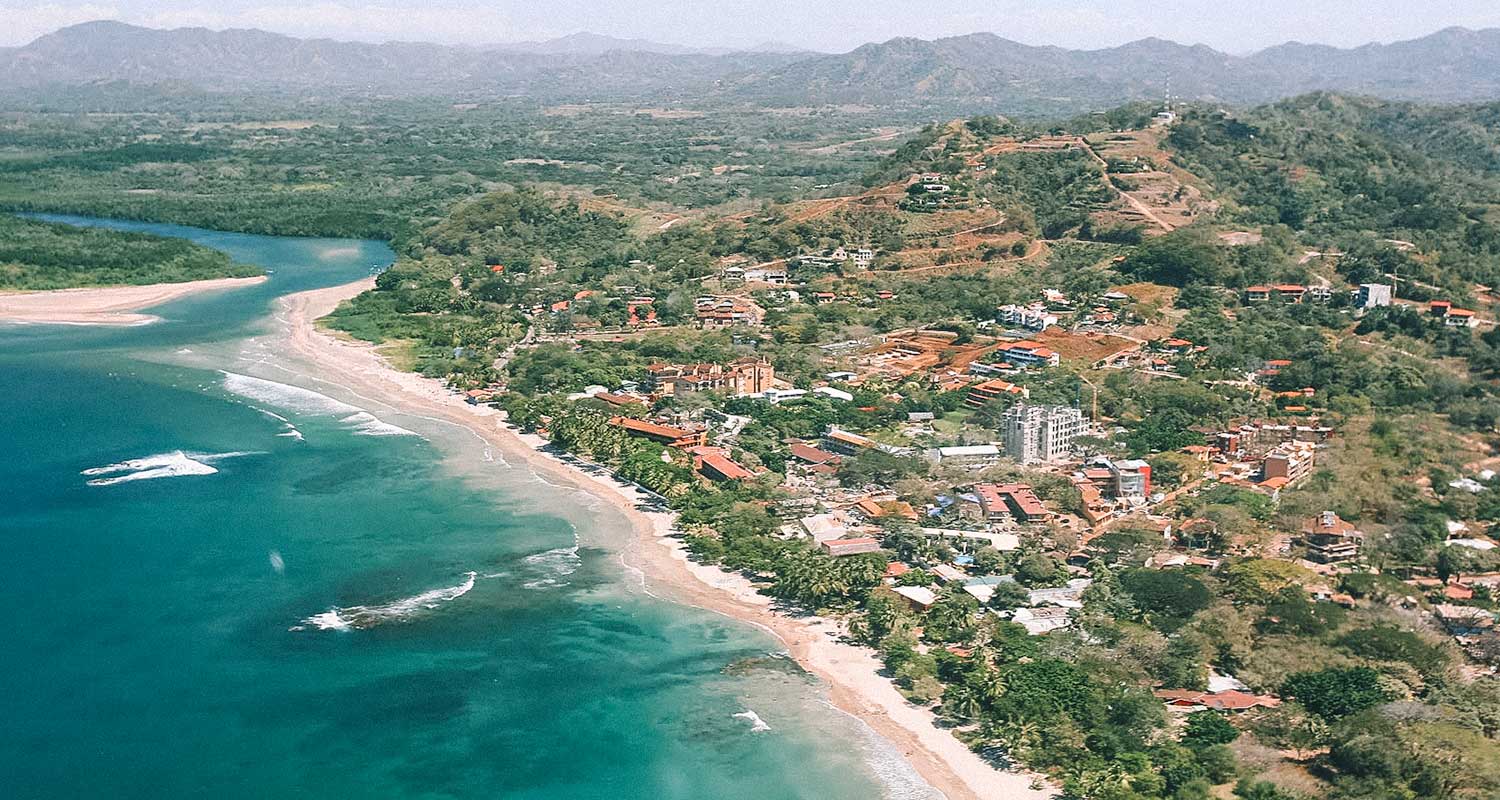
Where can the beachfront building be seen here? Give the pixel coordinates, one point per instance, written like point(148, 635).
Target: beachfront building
point(661, 434)
point(1035, 434)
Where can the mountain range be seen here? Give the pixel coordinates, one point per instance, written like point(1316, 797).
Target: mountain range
point(977, 71)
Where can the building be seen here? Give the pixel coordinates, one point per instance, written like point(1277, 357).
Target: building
point(1290, 292)
point(1257, 294)
point(1033, 317)
point(1029, 354)
point(1372, 295)
point(661, 434)
point(1010, 500)
point(844, 443)
point(1290, 462)
point(742, 377)
point(851, 547)
point(1042, 621)
point(982, 394)
point(974, 456)
point(1128, 481)
point(726, 311)
point(1034, 434)
point(1330, 540)
point(716, 465)
point(812, 455)
point(920, 597)
point(1132, 479)
point(824, 527)
point(862, 257)
point(1231, 700)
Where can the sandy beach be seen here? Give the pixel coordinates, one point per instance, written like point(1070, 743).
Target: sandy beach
point(112, 305)
point(849, 671)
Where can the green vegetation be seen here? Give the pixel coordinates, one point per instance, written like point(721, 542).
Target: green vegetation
point(43, 255)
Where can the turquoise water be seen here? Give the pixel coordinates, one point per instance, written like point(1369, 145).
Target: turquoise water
point(226, 585)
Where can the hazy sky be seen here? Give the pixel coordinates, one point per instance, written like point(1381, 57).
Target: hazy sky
point(833, 25)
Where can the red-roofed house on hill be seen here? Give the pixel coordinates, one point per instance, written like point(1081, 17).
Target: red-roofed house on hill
point(1232, 700)
point(1330, 540)
point(661, 434)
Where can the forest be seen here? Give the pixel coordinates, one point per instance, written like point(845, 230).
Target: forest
point(37, 255)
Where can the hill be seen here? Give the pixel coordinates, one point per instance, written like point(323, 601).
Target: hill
point(974, 72)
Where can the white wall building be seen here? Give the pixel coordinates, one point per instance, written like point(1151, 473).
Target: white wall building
point(1034, 434)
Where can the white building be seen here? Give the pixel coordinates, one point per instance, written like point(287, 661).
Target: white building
point(1034, 434)
point(974, 456)
point(1371, 295)
point(862, 257)
point(1033, 317)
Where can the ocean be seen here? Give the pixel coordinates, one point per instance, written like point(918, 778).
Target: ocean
point(224, 578)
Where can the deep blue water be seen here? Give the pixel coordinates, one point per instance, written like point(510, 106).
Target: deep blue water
point(164, 635)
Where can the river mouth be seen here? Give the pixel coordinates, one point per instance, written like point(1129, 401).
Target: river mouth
point(231, 576)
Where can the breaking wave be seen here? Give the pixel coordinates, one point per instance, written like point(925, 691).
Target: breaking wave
point(555, 565)
point(367, 424)
point(175, 464)
point(757, 725)
point(307, 401)
point(362, 617)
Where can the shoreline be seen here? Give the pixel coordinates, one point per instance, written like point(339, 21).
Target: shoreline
point(849, 671)
point(106, 305)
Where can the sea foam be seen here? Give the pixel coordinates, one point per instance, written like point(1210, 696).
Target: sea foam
point(175, 464)
point(554, 565)
point(362, 617)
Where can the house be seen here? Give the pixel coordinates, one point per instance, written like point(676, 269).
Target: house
point(824, 527)
point(1128, 481)
point(982, 394)
point(1257, 294)
point(726, 311)
point(1460, 318)
point(1028, 353)
point(661, 434)
point(950, 574)
point(1231, 700)
point(1290, 292)
point(812, 455)
point(716, 465)
point(1011, 500)
point(920, 597)
point(1069, 595)
point(1033, 317)
point(838, 548)
point(1330, 540)
point(1042, 621)
point(983, 589)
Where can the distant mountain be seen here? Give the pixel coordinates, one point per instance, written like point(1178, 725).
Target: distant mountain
point(978, 71)
point(593, 44)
